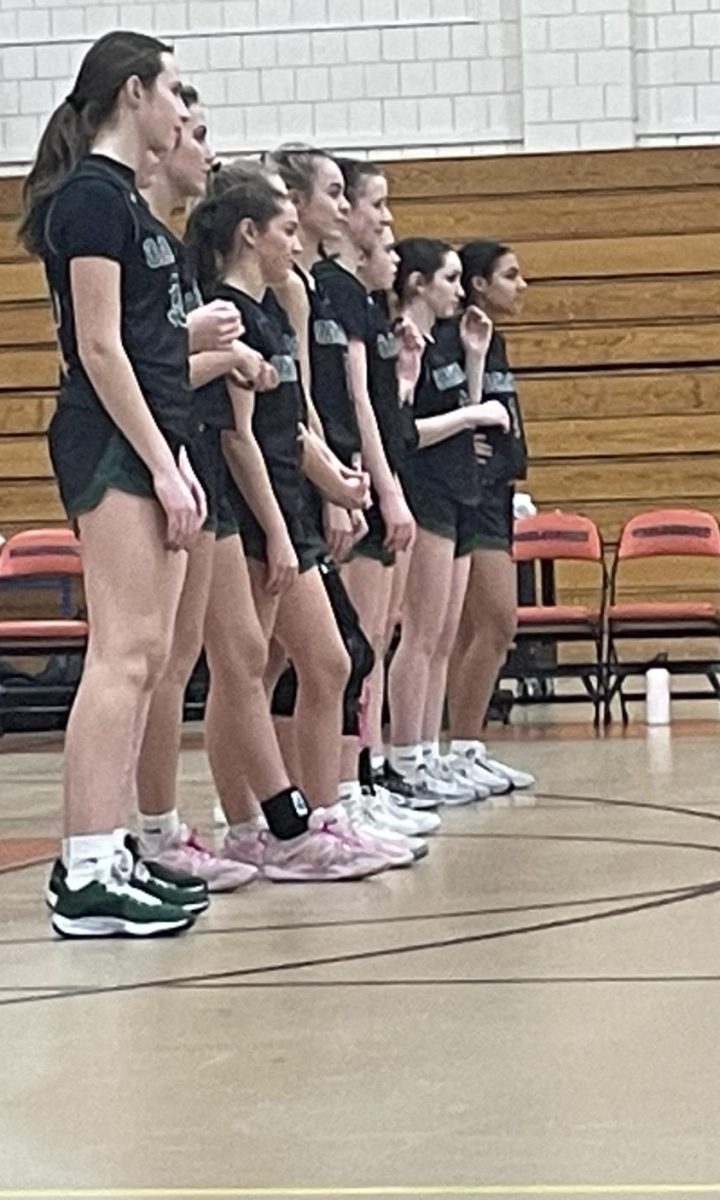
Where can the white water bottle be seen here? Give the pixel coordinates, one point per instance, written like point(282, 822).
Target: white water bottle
point(657, 693)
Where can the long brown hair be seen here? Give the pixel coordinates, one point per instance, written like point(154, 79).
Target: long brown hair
point(235, 193)
point(72, 128)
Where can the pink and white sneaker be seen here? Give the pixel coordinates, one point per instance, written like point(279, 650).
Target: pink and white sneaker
point(188, 853)
point(315, 857)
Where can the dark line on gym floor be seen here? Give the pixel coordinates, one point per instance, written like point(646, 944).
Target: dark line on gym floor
point(368, 955)
point(511, 981)
point(573, 837)
point(676, 810)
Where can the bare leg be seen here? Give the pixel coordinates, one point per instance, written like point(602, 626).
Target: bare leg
point(160, 753)
point(244, 755)
point(437, 683)
point(307, 629)
point(426, 603)
point(132, 587)
point(487, 628)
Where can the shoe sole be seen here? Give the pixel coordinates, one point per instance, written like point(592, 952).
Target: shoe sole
point(227, 886)
point(196, 907)
point(101, 927)
point(278, 875)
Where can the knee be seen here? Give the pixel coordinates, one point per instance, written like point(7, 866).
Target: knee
point(141, 659)
point(325, 675)
point(501, 629)
point(242, 658)
point(418, 641)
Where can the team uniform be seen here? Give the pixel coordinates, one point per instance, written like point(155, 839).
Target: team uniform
point(276, 421)
point(441, 481)
point(365, 317)
point(98, 213)
point(497, 475)
point(327, 345)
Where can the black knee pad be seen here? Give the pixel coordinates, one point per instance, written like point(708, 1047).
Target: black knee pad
point(362, 658)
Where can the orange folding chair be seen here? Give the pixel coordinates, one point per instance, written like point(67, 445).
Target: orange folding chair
point(545, 540)
point(46, 558)
point(662, 533)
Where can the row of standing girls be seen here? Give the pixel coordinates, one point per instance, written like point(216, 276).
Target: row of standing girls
point(261, 462)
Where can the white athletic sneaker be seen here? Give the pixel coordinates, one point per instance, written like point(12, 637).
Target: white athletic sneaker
point(219, 818)
point(449, 787)
point(379, 821)
point(518, 779)
point(409, 821)
point(349, 821)
point(433, 787)
point(401, 791)
point(486, 782)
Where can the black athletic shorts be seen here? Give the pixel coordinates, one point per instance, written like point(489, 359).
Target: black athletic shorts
point(372, 545)
point(208, 463)
point(304, 528)
point(437, 512)
point(494, 518)
point(362, 658)
point(90, 456)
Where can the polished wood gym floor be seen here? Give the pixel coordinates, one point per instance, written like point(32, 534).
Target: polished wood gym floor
point(532, 1011)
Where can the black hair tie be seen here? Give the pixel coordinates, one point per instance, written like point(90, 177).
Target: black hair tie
point(75, 102)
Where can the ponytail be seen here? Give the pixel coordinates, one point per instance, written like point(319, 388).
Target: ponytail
point(75, 124)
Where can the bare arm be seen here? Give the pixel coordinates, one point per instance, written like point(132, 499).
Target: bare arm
point(373, 453)
point(248, 469)
point(95, 286)
point(399, 523)
point(246, 463)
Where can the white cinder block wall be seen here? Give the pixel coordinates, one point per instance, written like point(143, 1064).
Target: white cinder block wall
point(394, 77)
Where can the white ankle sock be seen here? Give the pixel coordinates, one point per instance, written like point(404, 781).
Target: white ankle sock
point(404, 759)
point(377, 760)
point(88, 857)
point(157, 830)
point(431, 749)
point(350, 789)
point(242, 829)
point(463, 746)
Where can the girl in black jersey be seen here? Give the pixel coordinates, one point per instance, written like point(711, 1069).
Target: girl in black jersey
point(117, 443)
point(492, 279)
point(441, 485)
point(244, 238)
point(372, 360)
point(216, 604)
point(315, 184)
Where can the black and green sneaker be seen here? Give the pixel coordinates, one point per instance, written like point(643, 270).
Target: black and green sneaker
point(115, 909)
point(192, 901)
point(177, 879)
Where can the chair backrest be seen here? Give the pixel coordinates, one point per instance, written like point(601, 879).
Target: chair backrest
point(41, 552)
point(670, 531)
point(550, 536)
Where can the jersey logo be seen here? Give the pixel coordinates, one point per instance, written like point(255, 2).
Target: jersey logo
point(449, 376)
point(499, 381)
point(387, 346)
point(329, 333)
point(286, 367)
point(158, 252)
point(176, 312)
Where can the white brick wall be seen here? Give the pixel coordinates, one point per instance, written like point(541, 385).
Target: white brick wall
point(395, 77)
